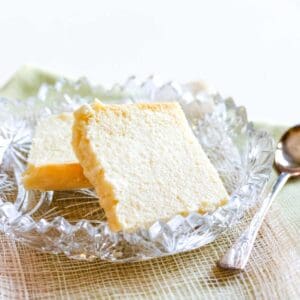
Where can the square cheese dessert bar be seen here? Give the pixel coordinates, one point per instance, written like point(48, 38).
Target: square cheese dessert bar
point(145, 163)
point(52, 164)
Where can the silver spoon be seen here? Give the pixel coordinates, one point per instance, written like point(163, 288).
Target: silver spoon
point(287, 162)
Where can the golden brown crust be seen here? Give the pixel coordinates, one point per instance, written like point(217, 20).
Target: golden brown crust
point(119, 108)
point(68, 177)
point(158, 106)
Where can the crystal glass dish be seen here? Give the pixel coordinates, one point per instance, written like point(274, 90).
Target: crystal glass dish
point(72, 222)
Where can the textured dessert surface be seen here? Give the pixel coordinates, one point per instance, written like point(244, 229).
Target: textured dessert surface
point(145, 163)
point(52, 164)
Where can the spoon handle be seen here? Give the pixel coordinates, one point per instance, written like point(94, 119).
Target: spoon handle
point(237, 256)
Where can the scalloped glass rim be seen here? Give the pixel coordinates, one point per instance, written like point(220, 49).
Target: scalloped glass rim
point(242, 155)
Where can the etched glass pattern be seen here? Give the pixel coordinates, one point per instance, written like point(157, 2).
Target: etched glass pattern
point(72, 222)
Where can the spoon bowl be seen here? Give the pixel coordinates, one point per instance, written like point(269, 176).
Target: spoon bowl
point(287, 154)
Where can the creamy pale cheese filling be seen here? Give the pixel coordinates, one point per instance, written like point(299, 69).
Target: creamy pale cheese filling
point(145, 163)
point(52, 164)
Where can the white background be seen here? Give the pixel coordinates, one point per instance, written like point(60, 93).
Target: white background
point(247, 49)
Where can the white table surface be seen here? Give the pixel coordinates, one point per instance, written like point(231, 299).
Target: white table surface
point(246, 49)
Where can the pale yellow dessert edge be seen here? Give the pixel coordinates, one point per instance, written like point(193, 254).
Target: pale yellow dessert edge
point(92, 169)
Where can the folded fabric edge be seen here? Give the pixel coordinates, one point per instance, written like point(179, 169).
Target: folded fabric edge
point(26, 82)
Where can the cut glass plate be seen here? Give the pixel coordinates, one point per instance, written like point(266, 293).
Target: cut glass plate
point(72, 222)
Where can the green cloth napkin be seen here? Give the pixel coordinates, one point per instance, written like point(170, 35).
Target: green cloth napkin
point(272, 272)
